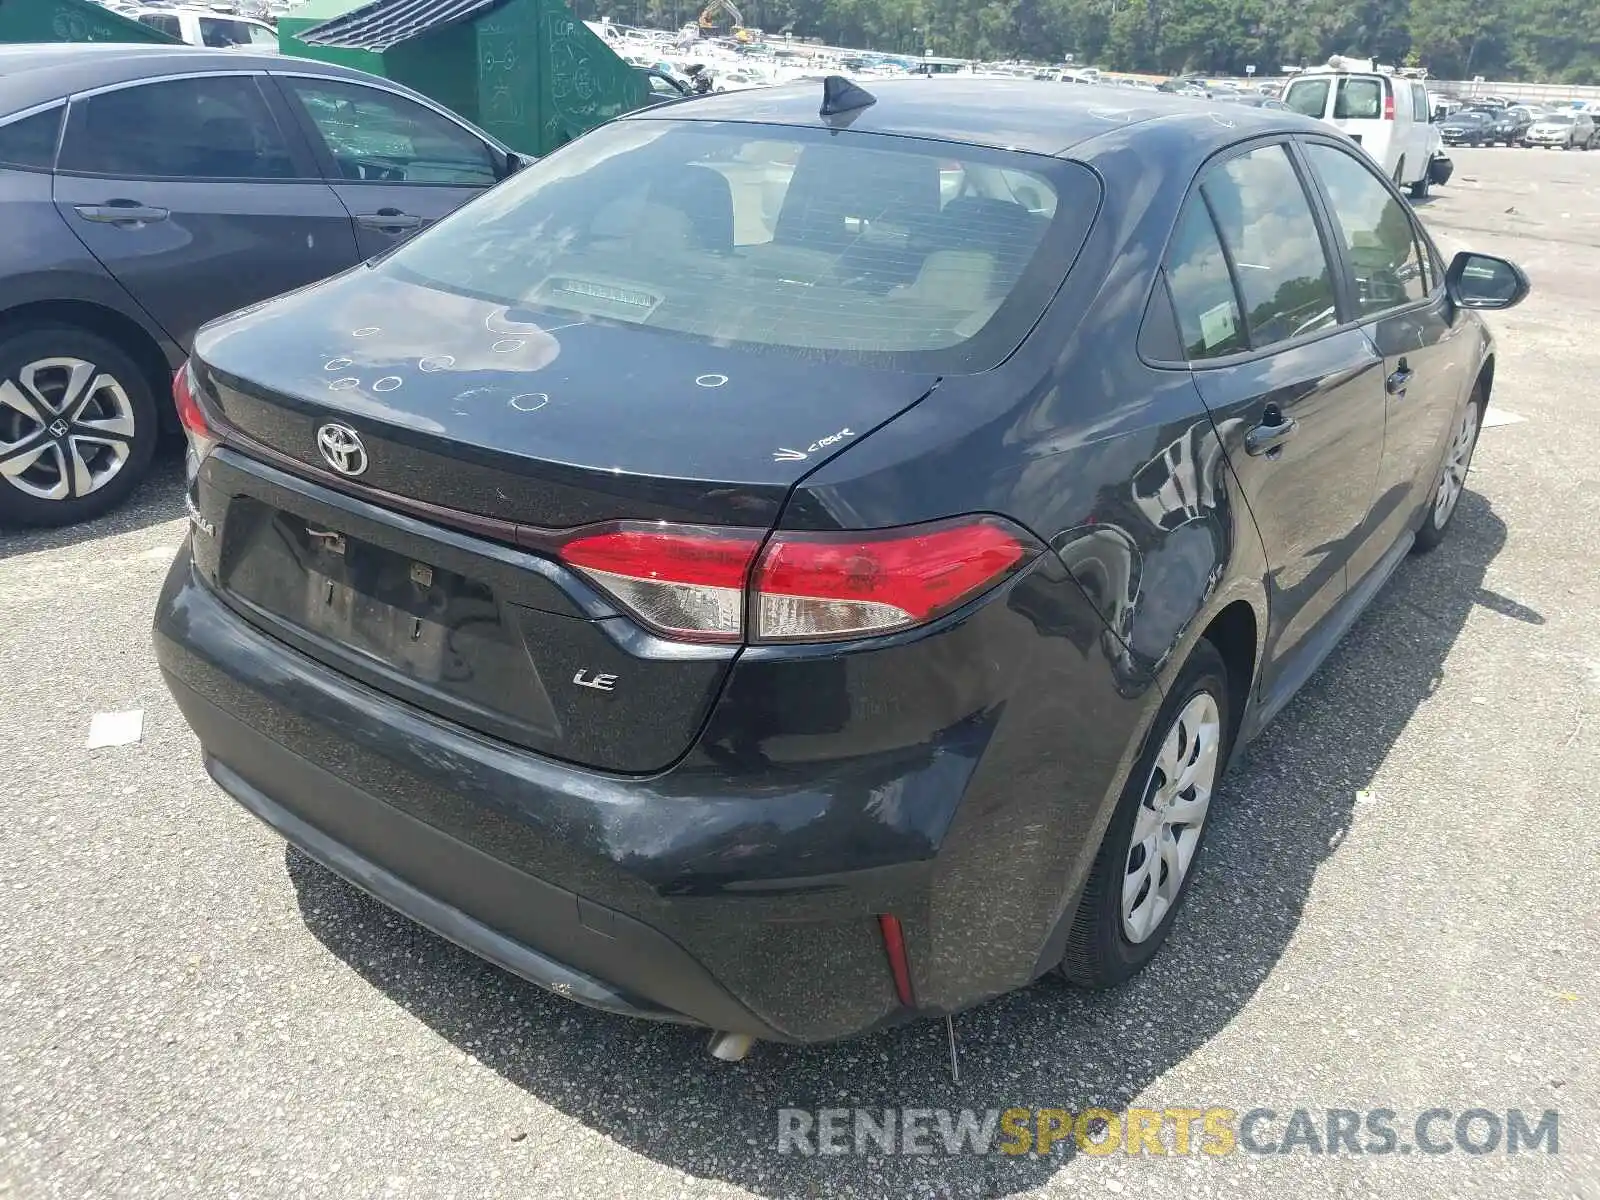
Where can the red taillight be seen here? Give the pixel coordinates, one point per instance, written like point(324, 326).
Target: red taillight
point(189, 410)
point(681, 579)
point(822, 586)
point(692, 581)
point(1388, 104)
point(203, 435)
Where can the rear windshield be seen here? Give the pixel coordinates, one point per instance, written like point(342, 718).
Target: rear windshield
point(1360, 99)
point(1557, 119)
point(921, 255)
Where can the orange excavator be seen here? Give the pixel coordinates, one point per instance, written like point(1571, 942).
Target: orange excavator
point(711, 12)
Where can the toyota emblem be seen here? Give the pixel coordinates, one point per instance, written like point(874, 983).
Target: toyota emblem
point(341, 449)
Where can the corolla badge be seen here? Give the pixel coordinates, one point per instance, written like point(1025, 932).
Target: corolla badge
point(341, 449)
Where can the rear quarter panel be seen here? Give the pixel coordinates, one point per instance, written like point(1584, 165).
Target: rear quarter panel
point(1114, 464)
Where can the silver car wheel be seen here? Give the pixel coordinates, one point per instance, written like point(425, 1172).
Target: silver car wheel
point(1453, 477)
point(1166, 830)
point(66, 428)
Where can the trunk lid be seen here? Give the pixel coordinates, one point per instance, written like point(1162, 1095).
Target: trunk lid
point(507, 414)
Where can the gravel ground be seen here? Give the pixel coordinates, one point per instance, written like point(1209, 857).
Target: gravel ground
point(1397, 909)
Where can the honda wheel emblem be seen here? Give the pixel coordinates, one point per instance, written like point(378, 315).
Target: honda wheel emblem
point(341, 449)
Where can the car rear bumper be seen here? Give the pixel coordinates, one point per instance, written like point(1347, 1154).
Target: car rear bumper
point(740, 894)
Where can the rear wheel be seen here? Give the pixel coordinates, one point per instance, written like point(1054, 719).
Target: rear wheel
point(1147, 857)
point(1419, 189)
point(77, 426)
point(1452, 478)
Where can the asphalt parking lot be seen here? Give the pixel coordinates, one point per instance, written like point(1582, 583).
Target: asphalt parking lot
point(1398, 907)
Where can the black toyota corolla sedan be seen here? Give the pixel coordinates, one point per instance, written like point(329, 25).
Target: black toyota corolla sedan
point(802, 560)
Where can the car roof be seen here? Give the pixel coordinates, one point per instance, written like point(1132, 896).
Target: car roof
point(1035, 116)
point(31, 75)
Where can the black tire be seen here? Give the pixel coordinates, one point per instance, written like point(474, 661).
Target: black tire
point(1434, 526)
point(120, 402)
point(1419, 189)
point(1099, 953)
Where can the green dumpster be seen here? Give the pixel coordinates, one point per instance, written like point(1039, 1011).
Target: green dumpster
point(527, 71)
point(71, 21)
point(313, 13)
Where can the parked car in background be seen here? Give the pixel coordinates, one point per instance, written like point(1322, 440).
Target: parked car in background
point(1564, 130)
point(210, 28)
point(1467, 127)
point(1505, 124)
point(145, 190)
point(1387, 114)
point(1252, 100)
point(665, 86)
point(714, 615)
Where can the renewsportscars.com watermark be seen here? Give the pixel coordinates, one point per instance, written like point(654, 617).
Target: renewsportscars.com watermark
point(1165, 1131)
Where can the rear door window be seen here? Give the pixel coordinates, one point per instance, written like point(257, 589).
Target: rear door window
point(202, 128)
point(1379, 240)
point(1308, 97)
point(862, 246)
point(31, 142)
point(1265, 220)
point(1207, 307)
point(1360, 98)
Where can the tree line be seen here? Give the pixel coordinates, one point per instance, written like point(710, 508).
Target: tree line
point(1546, 40)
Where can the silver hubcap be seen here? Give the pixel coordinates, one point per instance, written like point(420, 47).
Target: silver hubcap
point(1456, 461)
point(65, 429)
point(1166, 830)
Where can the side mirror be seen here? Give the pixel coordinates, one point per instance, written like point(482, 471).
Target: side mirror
point(514, 163)
point(1484, 281)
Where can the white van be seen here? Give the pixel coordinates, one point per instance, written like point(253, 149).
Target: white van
point(207, 27)
point(1385, 113)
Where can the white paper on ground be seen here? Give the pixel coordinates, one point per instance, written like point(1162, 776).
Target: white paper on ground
point(1493, 416)
point(116, 729)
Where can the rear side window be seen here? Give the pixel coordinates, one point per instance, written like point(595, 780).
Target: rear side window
point(1265, 220)
point(31, 142)
point(861, 246)
point(1202, 289)
point(201, 128)
point(1377, 233)
point(219, 33)
point(1308, 97)
point(165, 22)
point(1360, 99)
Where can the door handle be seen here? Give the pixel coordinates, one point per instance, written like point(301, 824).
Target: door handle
point(1269, 436)
point(389, 220)
point(1398, 379)
point(120, 212)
